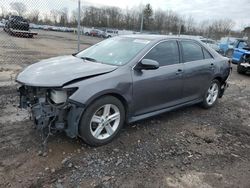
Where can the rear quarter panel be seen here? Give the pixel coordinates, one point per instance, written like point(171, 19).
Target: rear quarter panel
point(222, 68)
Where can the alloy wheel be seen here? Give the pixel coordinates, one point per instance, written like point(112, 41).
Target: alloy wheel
point(212, 93)
point(105, 121)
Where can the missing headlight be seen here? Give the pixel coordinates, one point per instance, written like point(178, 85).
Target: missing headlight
point(58, 96)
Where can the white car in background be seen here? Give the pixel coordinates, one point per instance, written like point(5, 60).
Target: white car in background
point(1, 24)
point(111, 33)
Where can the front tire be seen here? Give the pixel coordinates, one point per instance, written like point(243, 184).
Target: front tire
point(102, 121)
point(212, 94)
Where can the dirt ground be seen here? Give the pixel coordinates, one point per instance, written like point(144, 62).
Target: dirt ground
point(189, 147)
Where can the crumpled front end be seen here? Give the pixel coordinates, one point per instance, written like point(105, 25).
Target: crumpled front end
point(246, 61)
point(51, 108)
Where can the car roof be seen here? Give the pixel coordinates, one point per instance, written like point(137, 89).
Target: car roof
point(157, 37)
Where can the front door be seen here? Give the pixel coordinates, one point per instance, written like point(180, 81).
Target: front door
point(157, 89)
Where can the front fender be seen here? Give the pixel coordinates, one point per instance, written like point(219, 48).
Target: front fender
point(111, 83)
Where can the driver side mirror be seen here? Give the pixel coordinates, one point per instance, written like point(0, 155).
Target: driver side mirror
point(147, 64)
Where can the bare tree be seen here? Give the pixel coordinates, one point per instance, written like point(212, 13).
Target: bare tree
point(46, 19)
point(148, 13)
point(127, 18)
point(164, 22)
point(190, 25)
point(63, 17)
point(3, 12)
point(34, 16)
point(54, 14)
point(19, 7)
point(159, 18)
point(73, 18)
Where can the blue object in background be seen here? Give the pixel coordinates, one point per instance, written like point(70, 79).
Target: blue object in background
point(238, 54)
point(226, 44)
point(240, 49)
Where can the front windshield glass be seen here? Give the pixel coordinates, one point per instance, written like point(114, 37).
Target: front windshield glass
point(114, 51)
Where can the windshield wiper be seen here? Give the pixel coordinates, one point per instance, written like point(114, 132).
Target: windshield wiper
point(89, 59)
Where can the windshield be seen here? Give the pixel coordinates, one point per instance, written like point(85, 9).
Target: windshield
point(114, 51)
point(18, 18)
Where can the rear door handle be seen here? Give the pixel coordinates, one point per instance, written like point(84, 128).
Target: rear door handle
point(212, 65)
point(179, 71)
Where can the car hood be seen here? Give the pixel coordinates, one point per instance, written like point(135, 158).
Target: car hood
point(55, 72)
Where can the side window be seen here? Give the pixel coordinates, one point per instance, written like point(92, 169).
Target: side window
point(165, 53)
point(191, 51)
point(207, 55)
point(242, 45)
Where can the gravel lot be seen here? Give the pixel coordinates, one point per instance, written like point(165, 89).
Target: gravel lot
point(189, 147)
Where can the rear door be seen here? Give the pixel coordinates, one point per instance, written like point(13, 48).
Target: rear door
point(199, 68)
point(157, 89)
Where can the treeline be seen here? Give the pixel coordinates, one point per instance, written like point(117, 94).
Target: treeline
point(154, 21)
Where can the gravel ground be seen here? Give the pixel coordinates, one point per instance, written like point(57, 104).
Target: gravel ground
point(189, 147)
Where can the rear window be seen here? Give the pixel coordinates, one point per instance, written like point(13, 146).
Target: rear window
point(207, 55)
point(18, 18)
point(191, 51)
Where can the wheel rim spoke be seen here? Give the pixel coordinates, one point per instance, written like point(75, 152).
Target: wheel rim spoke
point(212, 93)
point(98, 131)
point(109, 129)
point(216, 93)
point(114, 117)
point(106, 110)
point(209, 97)
point(96, 119)
point(214, 87)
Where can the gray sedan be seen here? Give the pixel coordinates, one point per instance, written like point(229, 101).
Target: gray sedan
point(93, 93)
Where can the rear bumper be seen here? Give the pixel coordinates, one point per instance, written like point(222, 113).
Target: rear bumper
point(223, 88)
point(225, 84)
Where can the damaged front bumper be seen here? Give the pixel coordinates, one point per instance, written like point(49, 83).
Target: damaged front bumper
point(63, 116)
point(246, 65)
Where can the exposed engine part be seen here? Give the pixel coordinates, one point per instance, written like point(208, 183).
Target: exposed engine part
point(58, 96)
point(51, 110)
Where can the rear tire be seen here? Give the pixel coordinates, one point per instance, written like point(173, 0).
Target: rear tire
point(211, 96)
point(102, 121)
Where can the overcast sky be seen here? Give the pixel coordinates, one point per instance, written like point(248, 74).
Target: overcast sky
point(237, 10)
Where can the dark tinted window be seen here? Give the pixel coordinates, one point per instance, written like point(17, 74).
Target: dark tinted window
point(207, 55)
point(191, 51)
point(166, 53)
point(18, 18)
